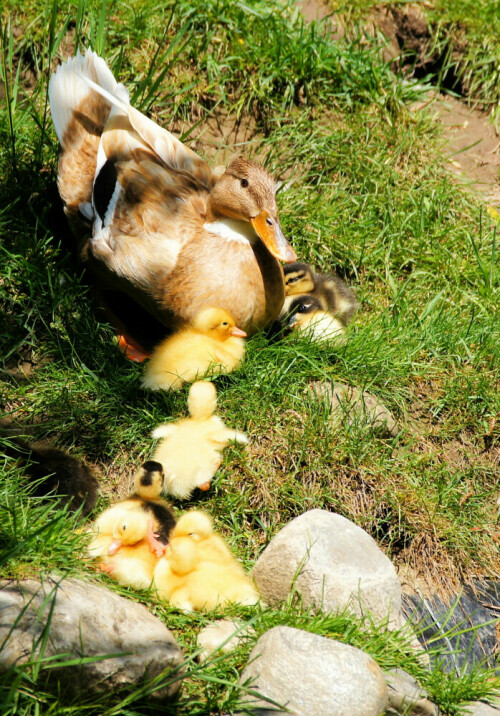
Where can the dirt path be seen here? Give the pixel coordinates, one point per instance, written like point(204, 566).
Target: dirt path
point(471, 146)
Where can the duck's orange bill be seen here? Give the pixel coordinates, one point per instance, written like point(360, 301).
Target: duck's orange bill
point(238, 332)
point(269, 230)
point(131, 349)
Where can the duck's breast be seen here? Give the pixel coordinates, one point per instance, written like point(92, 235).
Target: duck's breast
point(241, 278)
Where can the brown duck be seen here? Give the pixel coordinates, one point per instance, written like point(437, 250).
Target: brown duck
point(153, 219)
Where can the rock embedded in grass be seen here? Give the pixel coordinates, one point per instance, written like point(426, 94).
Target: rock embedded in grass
point(333, 564)
point(310, 674)
point(356, 407)
point(85, 620)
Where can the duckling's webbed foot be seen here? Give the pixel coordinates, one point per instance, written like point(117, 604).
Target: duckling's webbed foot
point(156, 547)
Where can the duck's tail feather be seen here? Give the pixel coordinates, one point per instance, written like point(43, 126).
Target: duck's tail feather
point(69, 90)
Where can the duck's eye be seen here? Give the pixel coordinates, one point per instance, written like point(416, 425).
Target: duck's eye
point(269, 221)
point(225, 323)
point(244, 183)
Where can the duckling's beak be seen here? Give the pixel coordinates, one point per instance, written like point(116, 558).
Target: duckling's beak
point(269, 231)
point(114, 546)
point(238, 332)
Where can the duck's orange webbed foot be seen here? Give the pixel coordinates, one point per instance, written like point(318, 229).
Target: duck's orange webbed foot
point(106, 568)
point(156, 547)
point(131, 349)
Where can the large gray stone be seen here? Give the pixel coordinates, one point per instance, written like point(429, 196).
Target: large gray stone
point(335, 565)
point(311, 675)
point(407, 697)
point(356, 407)
point(86, 620)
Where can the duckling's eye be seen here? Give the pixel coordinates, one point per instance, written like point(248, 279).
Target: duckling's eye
point(269, 221)
point(225, 323)
point(244, 183)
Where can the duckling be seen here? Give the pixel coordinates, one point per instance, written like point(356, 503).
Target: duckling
point(186, 468)
point(211, 343)
point(55, 473)
point(307, 316)
point(198, 572)
point(142, 515)
point(334, 295)
point(126, 553)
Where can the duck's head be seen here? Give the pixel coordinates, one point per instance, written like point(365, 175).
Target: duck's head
point(216, 323)
point(247, 192)
point(299, 279)
point(301, 310)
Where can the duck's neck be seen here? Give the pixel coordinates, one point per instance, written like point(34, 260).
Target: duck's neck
point(231, 229)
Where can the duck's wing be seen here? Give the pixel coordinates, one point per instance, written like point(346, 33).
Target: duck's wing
point(144, 178)
point(128, 129)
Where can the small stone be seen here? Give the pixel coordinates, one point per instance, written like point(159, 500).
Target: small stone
point(333, 564)
point(86, 620)
point(407, 697)
point(224, 636)
point(312, 675)
point(356, 407)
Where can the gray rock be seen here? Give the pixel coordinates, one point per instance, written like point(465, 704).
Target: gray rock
point(335, 565)
point(356, 407)
point(407, 697)
point(86, 620)
point(222, 636)
point(481, 708)
point(311, 675)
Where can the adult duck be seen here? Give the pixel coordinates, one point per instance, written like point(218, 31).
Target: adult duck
point(153, 219)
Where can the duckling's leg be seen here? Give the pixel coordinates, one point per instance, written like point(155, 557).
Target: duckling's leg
point(156, 547)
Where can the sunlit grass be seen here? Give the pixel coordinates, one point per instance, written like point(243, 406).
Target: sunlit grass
point(363, 193)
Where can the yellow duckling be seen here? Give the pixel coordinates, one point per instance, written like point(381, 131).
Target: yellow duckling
point(211, 343)
point(334, 295)
point(153, 219)
point(198, 572)
point(307, 316)
point(185, 468)
point(126, 555)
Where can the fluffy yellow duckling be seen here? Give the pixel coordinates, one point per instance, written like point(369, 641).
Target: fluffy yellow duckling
point(126, 554)
point(186, 468)
point(198, 572)
point(211, 343)
point(334, 295)
point(153, 219)
point(307, 316)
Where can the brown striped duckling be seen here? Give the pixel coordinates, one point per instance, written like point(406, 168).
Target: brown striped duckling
point(334, 295)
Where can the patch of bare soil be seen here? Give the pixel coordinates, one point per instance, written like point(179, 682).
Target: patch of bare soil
point(472, 149)
point(471, 144)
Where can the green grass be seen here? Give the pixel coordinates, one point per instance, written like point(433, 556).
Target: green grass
point(364, 194)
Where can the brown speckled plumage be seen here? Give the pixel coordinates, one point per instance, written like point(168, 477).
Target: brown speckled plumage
point(155, 245)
